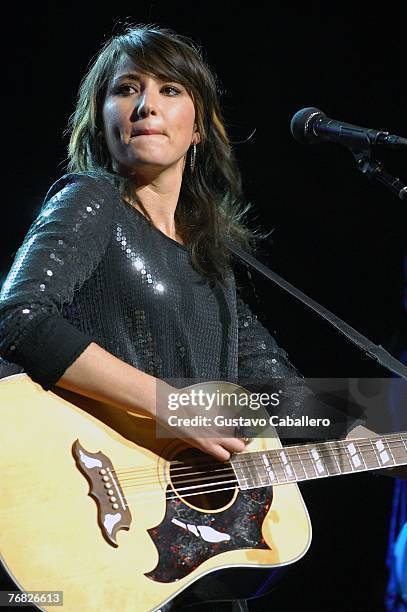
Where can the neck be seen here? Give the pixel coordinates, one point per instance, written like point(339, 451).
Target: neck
point(159, 192)
point(319, 460)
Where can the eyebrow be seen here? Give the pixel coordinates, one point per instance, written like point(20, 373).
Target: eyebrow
point(136, 77)
point(127, 75)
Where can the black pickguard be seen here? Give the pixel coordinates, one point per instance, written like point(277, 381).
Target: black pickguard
point(181, 551)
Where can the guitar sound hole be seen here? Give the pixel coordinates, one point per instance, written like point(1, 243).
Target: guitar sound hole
point(201, 481)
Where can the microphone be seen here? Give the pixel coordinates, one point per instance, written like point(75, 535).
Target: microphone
point(311, 125)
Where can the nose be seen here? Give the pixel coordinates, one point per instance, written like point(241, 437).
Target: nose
point(146, 104)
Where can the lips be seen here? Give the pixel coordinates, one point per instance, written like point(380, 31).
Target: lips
point(145, 132)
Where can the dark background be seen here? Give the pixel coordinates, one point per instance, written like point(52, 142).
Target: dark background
point(336, 235)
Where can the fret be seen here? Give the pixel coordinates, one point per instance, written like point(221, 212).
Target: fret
point(383, 456)
point(242, 472)
point(251, 460)
point(360, 445)
point(343, 458)
point(365, 451)
point(278, 466)
point(317, 457)
point(291, 454)
point(309, 463)
point(269, 468)
point(287, 465)
point(328, 458)
point(239, 473)
point(368, 453)
point(250, 469)
point(355, 457)
point(333, 451)
point(387, 445)
point(378, 463)
point(404, 441)
point(298, 465)
point(398, 450)
point(262, 475)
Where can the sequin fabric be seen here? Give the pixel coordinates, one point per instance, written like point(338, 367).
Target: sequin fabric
point(92, 268)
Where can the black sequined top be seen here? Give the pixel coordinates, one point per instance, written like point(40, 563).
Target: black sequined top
point(92, 268)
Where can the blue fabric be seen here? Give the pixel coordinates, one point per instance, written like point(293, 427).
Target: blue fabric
point(400, 562)
point(396, 595)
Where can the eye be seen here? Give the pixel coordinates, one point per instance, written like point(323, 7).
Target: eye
point(171, 90)
point(125, 89)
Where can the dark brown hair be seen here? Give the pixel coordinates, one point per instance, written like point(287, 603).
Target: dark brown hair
point(211, 205)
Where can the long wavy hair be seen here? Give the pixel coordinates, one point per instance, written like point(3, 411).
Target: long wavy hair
point(211, 205)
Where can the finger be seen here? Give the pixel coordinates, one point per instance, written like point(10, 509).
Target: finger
point(215, 448)
point(234, 445)
point(209, 446)
point(220, 452)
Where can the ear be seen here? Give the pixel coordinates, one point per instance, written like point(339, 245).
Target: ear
point(196, 138)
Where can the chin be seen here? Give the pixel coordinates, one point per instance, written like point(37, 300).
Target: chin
point(154, 161)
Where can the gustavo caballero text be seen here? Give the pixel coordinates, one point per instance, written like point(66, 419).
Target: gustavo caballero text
point(222, 421)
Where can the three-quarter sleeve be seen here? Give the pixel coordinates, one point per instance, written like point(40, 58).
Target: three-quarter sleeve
point(62, 248)
point(260, 358)
point(264, 367)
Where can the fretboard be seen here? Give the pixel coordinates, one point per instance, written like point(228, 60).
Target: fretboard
point(319, 460)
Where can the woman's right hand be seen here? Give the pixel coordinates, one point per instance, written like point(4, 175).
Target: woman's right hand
point(195, 426)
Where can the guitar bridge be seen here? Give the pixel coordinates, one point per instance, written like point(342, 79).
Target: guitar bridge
point(104, 487)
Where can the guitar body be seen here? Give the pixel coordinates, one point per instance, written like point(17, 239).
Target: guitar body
point(132, 540)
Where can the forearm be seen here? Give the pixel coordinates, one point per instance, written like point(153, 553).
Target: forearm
point(99, 375)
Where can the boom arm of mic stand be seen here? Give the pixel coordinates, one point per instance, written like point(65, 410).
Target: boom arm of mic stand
point(374, 169)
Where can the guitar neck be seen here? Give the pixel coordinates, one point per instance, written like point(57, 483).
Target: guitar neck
point(319, 460)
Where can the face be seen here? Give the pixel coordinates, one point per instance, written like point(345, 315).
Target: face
point(147, 122)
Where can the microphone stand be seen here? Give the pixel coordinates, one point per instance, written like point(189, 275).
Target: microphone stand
point(374, 169)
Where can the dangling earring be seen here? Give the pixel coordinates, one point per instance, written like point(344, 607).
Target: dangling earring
point(192, 158)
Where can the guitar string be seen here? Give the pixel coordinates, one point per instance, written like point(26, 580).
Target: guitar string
point(172, 492)
point(235, 486)
point(304, 449)
point(198, 491)
point(364, 441)
point(339, 450)
point(294, 461)
point(228, 471)
point(281, 478)
point(170, 495)
point(215, 467)
point(206, 493)
point(202, 477)
point(279, 470)
point(250, 488)
point(175, 494)
point(144, 473)
point(132, 481)
point(148, 497)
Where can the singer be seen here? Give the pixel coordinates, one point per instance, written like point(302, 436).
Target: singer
point(124, 277)
point(123, 283)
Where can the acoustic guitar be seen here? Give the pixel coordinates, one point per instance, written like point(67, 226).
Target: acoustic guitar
point(90, 495)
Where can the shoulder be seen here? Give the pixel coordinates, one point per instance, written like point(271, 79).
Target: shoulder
point(79, 199)
point(90, 183)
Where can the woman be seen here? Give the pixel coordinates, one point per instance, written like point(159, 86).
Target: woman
point(124, 279)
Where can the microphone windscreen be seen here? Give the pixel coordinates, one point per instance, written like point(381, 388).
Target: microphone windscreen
point(300, 124)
